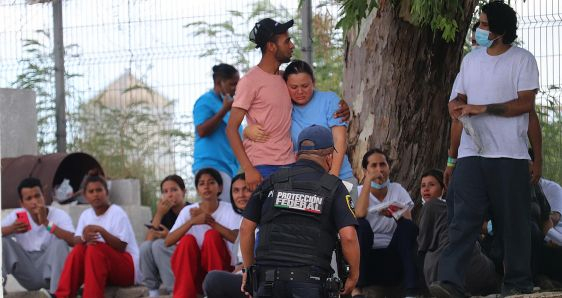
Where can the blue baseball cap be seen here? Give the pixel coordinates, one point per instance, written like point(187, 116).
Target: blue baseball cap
point(320, 136)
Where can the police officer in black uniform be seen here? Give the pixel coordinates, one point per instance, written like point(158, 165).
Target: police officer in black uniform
point(300, 210)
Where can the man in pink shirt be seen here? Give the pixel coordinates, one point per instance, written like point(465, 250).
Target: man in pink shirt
point(262, 96)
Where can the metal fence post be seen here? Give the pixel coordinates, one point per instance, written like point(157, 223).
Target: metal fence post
point(306, 15)
point(58, 54)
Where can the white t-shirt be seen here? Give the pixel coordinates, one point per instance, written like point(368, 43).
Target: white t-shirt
point(224, 215)
point(553, 193)
point(117, 223)
point(486, 79)
point(383, 227)
point(34, 239)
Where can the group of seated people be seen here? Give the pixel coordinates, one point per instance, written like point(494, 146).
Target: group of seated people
point(184, 241)
point(193, 249)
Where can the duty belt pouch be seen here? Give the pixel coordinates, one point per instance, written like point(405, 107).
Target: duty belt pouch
point(268, 282)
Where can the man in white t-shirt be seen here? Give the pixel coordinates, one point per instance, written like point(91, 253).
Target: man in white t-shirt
point(496, 87)
point(35, 240)
point(387, 244)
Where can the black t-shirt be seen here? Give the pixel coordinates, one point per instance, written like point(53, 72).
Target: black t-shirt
point(169, 219)
point(342, 208)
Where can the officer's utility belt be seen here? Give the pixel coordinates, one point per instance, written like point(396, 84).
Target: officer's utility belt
point(298, 274)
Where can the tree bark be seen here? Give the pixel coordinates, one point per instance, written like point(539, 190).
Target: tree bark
point(399, 78)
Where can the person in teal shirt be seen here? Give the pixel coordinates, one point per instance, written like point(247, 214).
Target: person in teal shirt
point(210, 116)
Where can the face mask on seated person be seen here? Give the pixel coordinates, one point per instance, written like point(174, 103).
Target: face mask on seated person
point(380, 186)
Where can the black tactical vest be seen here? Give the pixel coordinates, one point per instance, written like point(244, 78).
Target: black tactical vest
point(296, 225)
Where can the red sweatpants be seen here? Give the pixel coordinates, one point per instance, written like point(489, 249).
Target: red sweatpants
point(191, 264)
point(94, 265)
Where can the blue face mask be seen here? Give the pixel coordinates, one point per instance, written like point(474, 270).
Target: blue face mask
point(380, 186)
point(481, 37)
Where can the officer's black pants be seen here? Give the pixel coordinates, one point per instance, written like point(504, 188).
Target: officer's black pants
point(292, 289)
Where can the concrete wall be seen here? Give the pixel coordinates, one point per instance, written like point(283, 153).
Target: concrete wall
point(18, 123)
point(125, 192)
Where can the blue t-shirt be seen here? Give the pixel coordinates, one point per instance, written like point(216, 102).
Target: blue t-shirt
point(212, 151)
point(319, 111)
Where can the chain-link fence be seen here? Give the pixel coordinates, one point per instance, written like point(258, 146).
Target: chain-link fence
point(540, 32)
point(134, 69)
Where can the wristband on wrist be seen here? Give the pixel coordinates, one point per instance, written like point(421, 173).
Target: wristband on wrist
point(51, 227)
point(451, 162)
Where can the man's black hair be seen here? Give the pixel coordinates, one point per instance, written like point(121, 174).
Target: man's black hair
point(223, 71)
point(365, 161)
point(95, 178)
point(273, 39)
point(502, 20)
point(29, 182)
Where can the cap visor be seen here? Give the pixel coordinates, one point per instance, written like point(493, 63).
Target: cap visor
point(284, 27)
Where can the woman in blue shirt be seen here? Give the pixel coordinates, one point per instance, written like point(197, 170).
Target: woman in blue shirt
point(313, 107)
point(210, 116)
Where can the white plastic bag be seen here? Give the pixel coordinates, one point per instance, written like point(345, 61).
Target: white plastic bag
point(64, 191)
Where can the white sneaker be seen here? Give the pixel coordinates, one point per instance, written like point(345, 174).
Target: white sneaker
point(154, 293)
point(44, 293)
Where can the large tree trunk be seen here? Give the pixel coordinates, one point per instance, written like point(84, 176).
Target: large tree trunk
point(399, 77)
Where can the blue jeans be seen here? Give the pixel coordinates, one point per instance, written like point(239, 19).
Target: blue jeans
point(267, 170)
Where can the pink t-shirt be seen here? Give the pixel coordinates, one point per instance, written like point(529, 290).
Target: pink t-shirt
point(266, 100)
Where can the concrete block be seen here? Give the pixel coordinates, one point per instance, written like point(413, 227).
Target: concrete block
point(18, 123)
point(125, 192)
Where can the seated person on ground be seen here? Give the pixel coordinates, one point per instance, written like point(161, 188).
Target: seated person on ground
point(553, 193)
point(481, 278)
point(105, 250)
point(223, 284)
point(35, 240)
point(551, 253)
point(204, 233)
point(387, 245)
point(154, 254)
point(547, 236)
